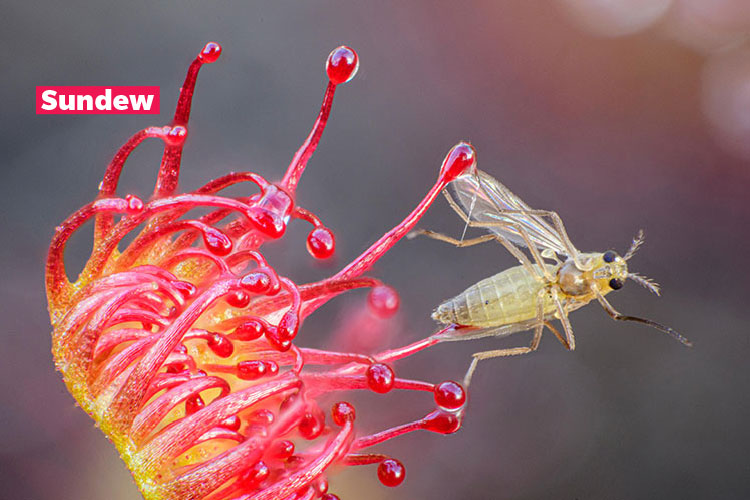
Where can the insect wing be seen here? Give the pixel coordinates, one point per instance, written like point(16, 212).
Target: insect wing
point(485, 200)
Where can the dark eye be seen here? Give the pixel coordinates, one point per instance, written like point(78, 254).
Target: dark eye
point(615, 284)
point(609, 256)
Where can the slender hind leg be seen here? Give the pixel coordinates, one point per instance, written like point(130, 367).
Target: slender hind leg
point(482, 239)
point(448, 239)
point(512, 351)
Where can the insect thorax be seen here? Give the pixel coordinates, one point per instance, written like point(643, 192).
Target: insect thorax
point(572, 280)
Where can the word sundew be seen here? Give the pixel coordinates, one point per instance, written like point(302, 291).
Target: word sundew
point(182, 344)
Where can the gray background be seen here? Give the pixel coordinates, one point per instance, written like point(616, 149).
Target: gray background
point(608, 133)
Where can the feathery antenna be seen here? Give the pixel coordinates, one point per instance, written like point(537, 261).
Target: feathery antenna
point(635, 245)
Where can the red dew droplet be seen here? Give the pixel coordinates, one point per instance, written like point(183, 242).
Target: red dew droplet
point(238, 298)
point(461, 159)
point(220, 345)
point(342, 64)
point(175, 136)
point(342, 412)
point(272, 367)
point(185, 288)
point(321, 243)
point(442, 422)
point(449, 395)
point(255, 475)
point(267, 222)
point(383, 301)
point(282, 449)
point(391, 472)
point(251, 369)
point(330, 496)
point(210, 53)
point(232, 423)
point(193, 404)
point(321, 486)
point(256, 282)
point(251, 329)
point(288, 326)
point(281, 345)
point(312, 424)
point(135, 204)
point(380, 378)
point(217, 242)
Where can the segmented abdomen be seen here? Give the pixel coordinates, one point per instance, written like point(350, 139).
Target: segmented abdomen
point(505, 298)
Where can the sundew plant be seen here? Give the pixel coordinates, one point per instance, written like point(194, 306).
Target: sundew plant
point(185, 345)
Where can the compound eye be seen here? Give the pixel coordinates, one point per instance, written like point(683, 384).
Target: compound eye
point(609, 256)
point(615, 284)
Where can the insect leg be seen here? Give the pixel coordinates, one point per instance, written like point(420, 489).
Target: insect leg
point(449, 239)
point(512, 351)
point(563, 317)
point(621, 317)
point(475, 241)
point(557, 333)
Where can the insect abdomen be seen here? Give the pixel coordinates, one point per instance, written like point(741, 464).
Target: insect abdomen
point(505, 298)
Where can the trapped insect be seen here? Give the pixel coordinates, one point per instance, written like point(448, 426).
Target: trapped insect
point(529, 296)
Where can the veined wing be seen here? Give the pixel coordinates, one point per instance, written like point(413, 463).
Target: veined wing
point(485, 200)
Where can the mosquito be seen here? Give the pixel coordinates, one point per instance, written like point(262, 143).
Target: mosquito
point(555, 281)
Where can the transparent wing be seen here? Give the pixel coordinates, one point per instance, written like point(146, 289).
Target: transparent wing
point(484, 199)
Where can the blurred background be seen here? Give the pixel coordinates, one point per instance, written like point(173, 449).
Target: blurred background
point(619, 115)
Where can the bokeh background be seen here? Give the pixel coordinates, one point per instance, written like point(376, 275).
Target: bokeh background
point(619, 115)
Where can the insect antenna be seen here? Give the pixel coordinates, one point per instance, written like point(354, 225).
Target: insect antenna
point(669, 331)
point(647, 283)
point(635, 245)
